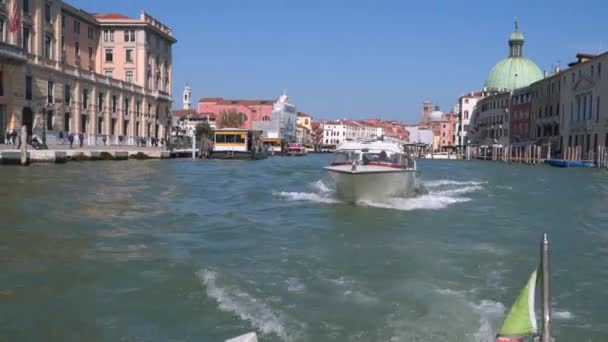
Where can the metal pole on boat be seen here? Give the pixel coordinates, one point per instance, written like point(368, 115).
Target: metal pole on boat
point(193, 145)
point(546, 333)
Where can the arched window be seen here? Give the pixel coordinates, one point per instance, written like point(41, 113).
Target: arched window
point(466, 114)
point(265, 118)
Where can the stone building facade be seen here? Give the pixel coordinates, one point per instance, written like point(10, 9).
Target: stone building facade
point(584, 112)
point(62, 69)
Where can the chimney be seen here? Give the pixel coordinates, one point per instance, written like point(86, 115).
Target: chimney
point(436, 108)
point(557, 69)
point(545, 73)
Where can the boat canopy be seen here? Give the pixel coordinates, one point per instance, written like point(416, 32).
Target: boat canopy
point(374, 144)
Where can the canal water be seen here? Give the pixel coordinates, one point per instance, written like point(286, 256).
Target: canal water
point(187, 250)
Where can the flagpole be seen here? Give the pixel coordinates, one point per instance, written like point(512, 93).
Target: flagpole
point(546, 332)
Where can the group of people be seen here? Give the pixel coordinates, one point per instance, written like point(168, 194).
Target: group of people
point(141, 141)
point(11, 137)
point(71, 138)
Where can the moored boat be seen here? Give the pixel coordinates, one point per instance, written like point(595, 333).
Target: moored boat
point(235, 143)
point(372, 169)
point(296, 150)
point(273, 145)
point(568, 163)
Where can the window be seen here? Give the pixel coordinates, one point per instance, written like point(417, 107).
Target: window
point(48, 46)
point(126, 107)
point(26, 6)
point(2, 30)
point(91, 53)
point(114, 104)
point(109, 55)
point(108, 36)
point(129, 76)
point(1, 84)
point(50, 90)
point(99, 125)
point(66, 122)
point(129, 36)
point(85, 99)
point(129, 54)
point(63, 21)
point(28, 87)
point(100, 102)
point(47, 12)
point(77, 49)
point(108, 72)
point(597, 110)
point(49, 120)
point(62, 44)
point(77, 27)
point(27, 40)
point(599, 70)
point(67, 96)
point(91, 33)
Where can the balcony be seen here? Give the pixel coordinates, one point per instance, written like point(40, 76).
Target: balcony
point(161, 95)
point(12, 53)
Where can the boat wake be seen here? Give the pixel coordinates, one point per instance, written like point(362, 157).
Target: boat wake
point(319, 193)
point(262, 316)
point(429, 195)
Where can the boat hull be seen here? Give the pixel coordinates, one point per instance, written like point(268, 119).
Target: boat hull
point(353, 187)
point(237, 155)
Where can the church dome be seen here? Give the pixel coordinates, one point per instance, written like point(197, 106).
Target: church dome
point(515, 71)
point(436, 115)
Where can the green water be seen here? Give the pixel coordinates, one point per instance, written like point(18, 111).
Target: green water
point(187, 250)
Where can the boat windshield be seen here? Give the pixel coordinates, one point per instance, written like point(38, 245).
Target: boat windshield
point(383, 158)
point(345, 157)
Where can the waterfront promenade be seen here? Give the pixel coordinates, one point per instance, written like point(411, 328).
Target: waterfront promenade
point(60, 153)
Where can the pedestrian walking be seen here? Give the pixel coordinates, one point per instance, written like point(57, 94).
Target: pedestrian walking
point(105, 140)
point(14, 136)
point(61, 138)
point(71, 139)
point(81, 138)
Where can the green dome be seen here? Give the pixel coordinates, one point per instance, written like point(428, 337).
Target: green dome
point(513, 73)
point(516, 71)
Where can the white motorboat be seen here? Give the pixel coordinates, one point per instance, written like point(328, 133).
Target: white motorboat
point(372, 169)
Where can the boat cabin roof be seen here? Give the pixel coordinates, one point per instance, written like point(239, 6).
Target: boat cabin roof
point(371, 146)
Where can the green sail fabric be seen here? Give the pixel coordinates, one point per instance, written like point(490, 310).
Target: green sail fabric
point(521, 320)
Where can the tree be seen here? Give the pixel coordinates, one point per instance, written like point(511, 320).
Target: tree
point(203, 130)
point(232, 118)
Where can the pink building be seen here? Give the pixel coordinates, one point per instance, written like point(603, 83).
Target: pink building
point(62, 69)
point(253, 110)
point(391, 128)
point(447, 130)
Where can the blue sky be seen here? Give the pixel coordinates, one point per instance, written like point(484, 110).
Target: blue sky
point(359, 59)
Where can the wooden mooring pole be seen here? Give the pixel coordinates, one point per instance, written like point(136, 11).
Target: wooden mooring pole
point(24, 145)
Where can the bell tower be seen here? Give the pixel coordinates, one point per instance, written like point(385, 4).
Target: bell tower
point(187, 97)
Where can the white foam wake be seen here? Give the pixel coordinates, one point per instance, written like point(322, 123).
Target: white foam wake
point(321, 187)
point(243, 305)
point(447, 182)
point(490, 314)
point(441, 194)
point(306, 196)
point(431, 202)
